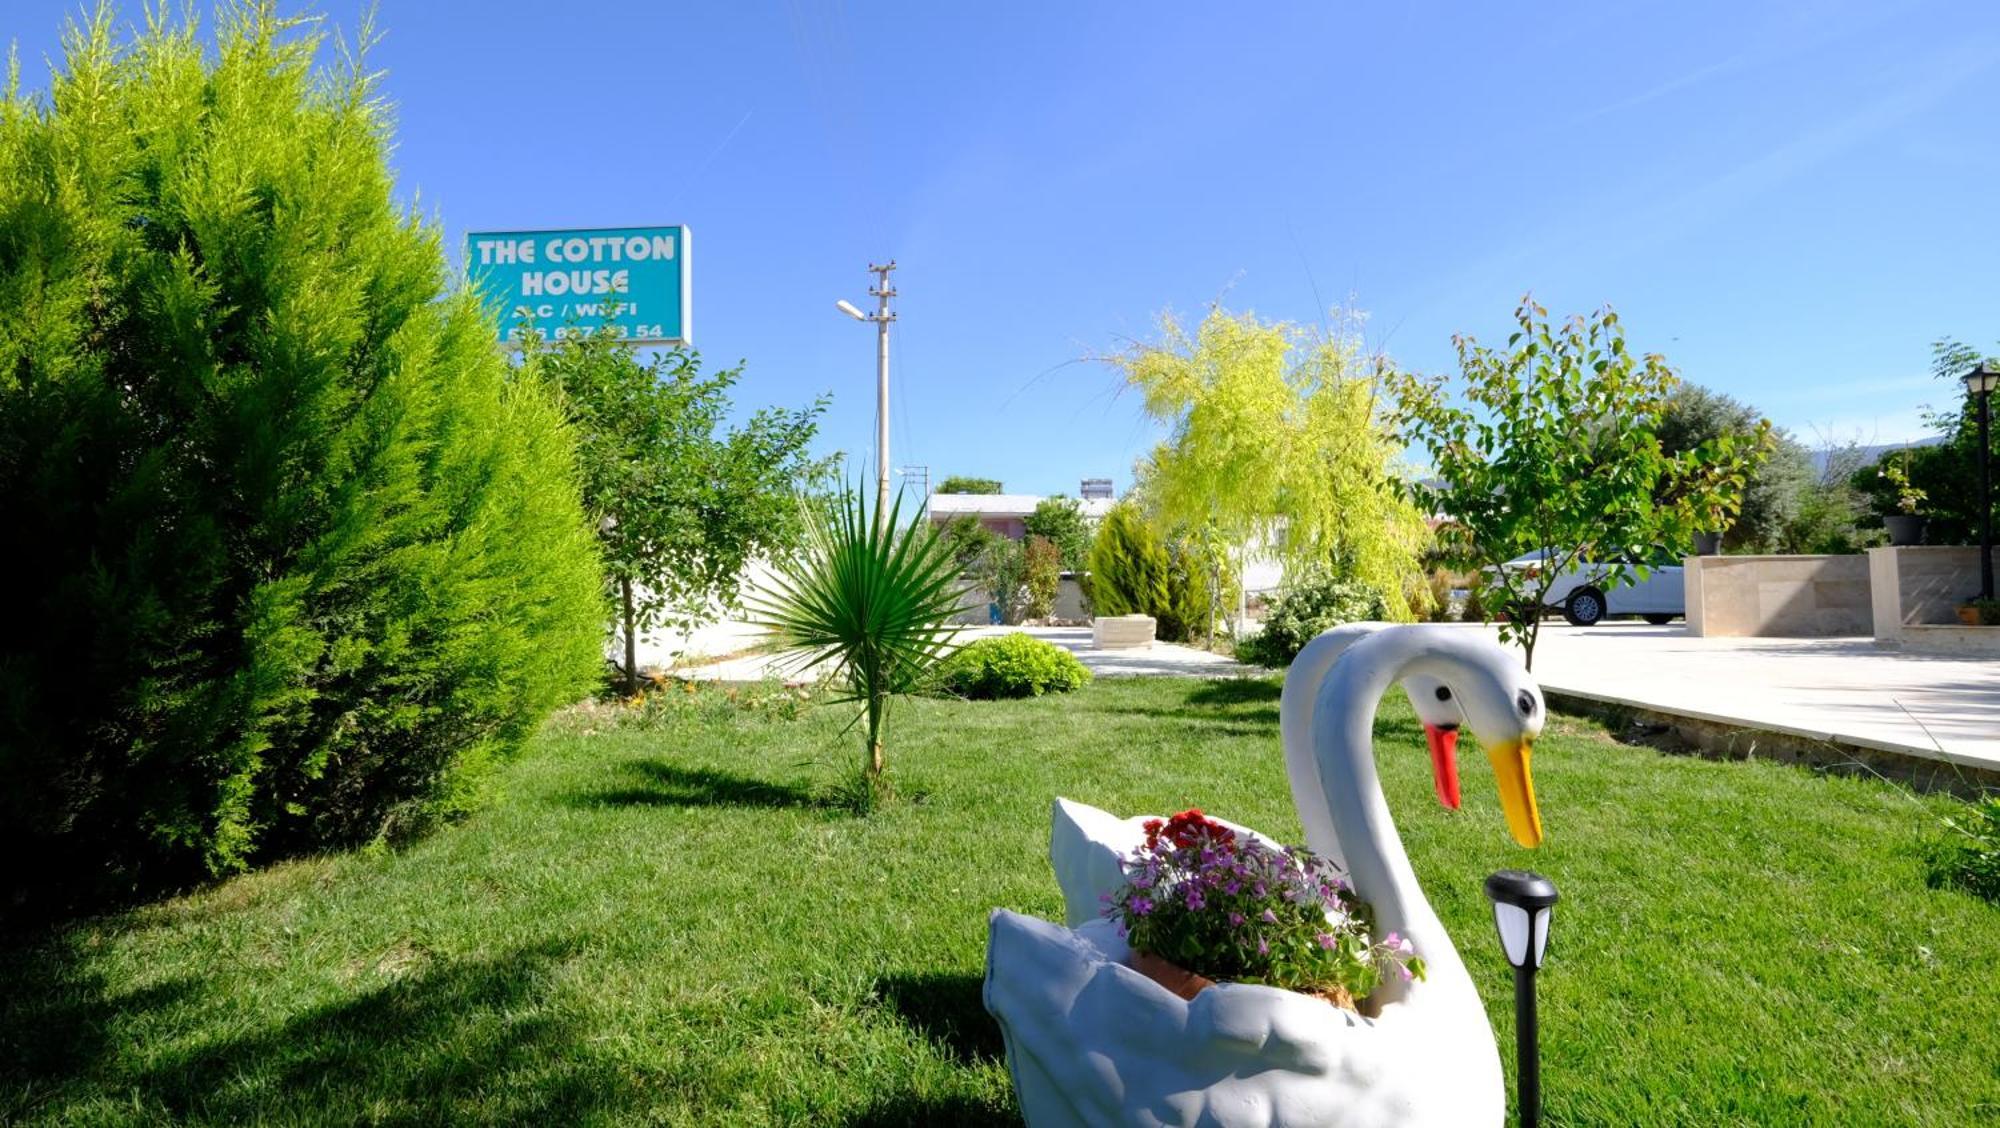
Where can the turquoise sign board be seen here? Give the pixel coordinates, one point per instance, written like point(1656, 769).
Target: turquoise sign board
point(633, 280)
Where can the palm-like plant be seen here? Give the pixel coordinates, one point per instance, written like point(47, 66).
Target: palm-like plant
point(870, 597)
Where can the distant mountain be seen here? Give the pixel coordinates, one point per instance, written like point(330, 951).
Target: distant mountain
point(1870, 454)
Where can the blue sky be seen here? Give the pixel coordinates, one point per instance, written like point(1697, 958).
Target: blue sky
point(1790, 200)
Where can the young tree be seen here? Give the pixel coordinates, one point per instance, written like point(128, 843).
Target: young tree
point(298, 560)
point(1946, 471)
point(1776, 489)
point(1060, 520)
point(681, 502)
point(1041, 575)
point(869, 597)
point(1556, 451)
point(1279, 438)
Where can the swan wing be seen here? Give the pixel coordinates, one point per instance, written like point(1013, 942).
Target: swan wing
point(1092, 1042)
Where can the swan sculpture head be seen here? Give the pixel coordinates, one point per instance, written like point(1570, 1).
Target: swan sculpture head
point(1448, 674)
point(1503, 708)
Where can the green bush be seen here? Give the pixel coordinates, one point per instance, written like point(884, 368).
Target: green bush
point(1966, 853)
point(1013, 665)
point(1041, 576)
point(1134, 571)
point(1306, 609)
point(298, 562)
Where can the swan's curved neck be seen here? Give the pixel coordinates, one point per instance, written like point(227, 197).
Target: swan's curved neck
point(1343, 731)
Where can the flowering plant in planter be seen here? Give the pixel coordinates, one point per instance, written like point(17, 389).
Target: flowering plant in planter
point(1225, 906)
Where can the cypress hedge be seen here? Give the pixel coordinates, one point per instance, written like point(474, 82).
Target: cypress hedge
point(295, 558)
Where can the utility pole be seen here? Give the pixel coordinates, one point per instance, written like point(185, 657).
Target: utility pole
point(882, 292)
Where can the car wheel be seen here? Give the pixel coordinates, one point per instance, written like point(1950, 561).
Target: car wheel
point(1584, 607)
point(1659, 620)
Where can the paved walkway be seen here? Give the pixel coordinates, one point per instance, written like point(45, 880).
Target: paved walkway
point(1161, 659)
point(1845, 690)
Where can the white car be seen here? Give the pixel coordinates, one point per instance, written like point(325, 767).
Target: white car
point(1585, 595)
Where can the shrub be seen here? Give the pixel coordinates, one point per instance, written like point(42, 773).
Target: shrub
point(307, 561)
point(1303, 611)
point(1013, 665)
point(1966, 853)
point(1041, 575)
point(1133, 571)
point(1060, 519)
point(1128, 565)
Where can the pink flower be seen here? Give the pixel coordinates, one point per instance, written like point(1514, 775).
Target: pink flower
point(1326, 939)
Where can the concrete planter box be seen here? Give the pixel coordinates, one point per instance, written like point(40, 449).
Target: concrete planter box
point(1119, 632)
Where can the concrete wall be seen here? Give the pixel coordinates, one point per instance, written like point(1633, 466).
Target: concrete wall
point(1917, 590)
point(1921, 584)
point(973, 605)
point(1778, 596)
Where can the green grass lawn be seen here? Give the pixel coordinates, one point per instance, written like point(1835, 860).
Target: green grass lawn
point(670, 924)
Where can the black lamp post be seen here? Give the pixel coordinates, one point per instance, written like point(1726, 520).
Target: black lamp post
point(1523, 904)
point(1979, 383)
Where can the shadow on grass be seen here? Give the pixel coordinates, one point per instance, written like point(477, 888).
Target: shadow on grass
point(473, 1040)
point(1234, 691)
point(912, 1111)
point(57, 1020)
point(476, 1040)
point(947, 1009)
point(661, 784)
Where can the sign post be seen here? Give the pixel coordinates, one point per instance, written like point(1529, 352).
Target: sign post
point(633, 281)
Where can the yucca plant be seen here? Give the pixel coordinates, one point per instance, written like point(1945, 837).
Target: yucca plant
point(870, 598)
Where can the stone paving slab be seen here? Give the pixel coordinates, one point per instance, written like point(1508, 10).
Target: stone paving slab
point(1842, 690)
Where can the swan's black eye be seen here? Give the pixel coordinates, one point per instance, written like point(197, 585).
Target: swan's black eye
point(1444, 693)
point(1527, 703)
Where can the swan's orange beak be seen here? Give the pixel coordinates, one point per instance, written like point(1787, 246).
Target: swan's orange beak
point(1443, 740)
point(1517, 791)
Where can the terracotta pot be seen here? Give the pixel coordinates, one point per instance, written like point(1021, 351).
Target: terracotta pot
point(1969, 615)
point(1187, 984)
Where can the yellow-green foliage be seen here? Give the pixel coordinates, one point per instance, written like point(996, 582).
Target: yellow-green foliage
point(1279, 436)
point(296, 561)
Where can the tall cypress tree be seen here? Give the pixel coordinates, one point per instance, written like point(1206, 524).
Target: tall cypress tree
point(295, 557)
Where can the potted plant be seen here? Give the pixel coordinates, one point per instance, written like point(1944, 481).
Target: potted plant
point(1980, 612)
point(1203, 904)
point(1905, 527)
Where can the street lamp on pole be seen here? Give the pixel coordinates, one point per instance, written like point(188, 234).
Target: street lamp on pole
point(1523, 909)
point(882, 316)
point(1979, 384)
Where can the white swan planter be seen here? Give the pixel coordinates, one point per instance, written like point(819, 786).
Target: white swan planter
point(1092, 1042)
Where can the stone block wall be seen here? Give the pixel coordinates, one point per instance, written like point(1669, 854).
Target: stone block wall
point(1778, 596)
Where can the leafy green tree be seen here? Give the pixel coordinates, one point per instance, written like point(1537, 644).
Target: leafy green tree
point(1832, 512)
point(960, 485)
point(1776, 488)
point(1001, 571)
point(1041, 575)
point(1556, 451)
point(968, 538)
point(871, 598)
point(299, 558)
point(1060, 519)
point(1279, 438)
point(1947, 471)
point(681, 502)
